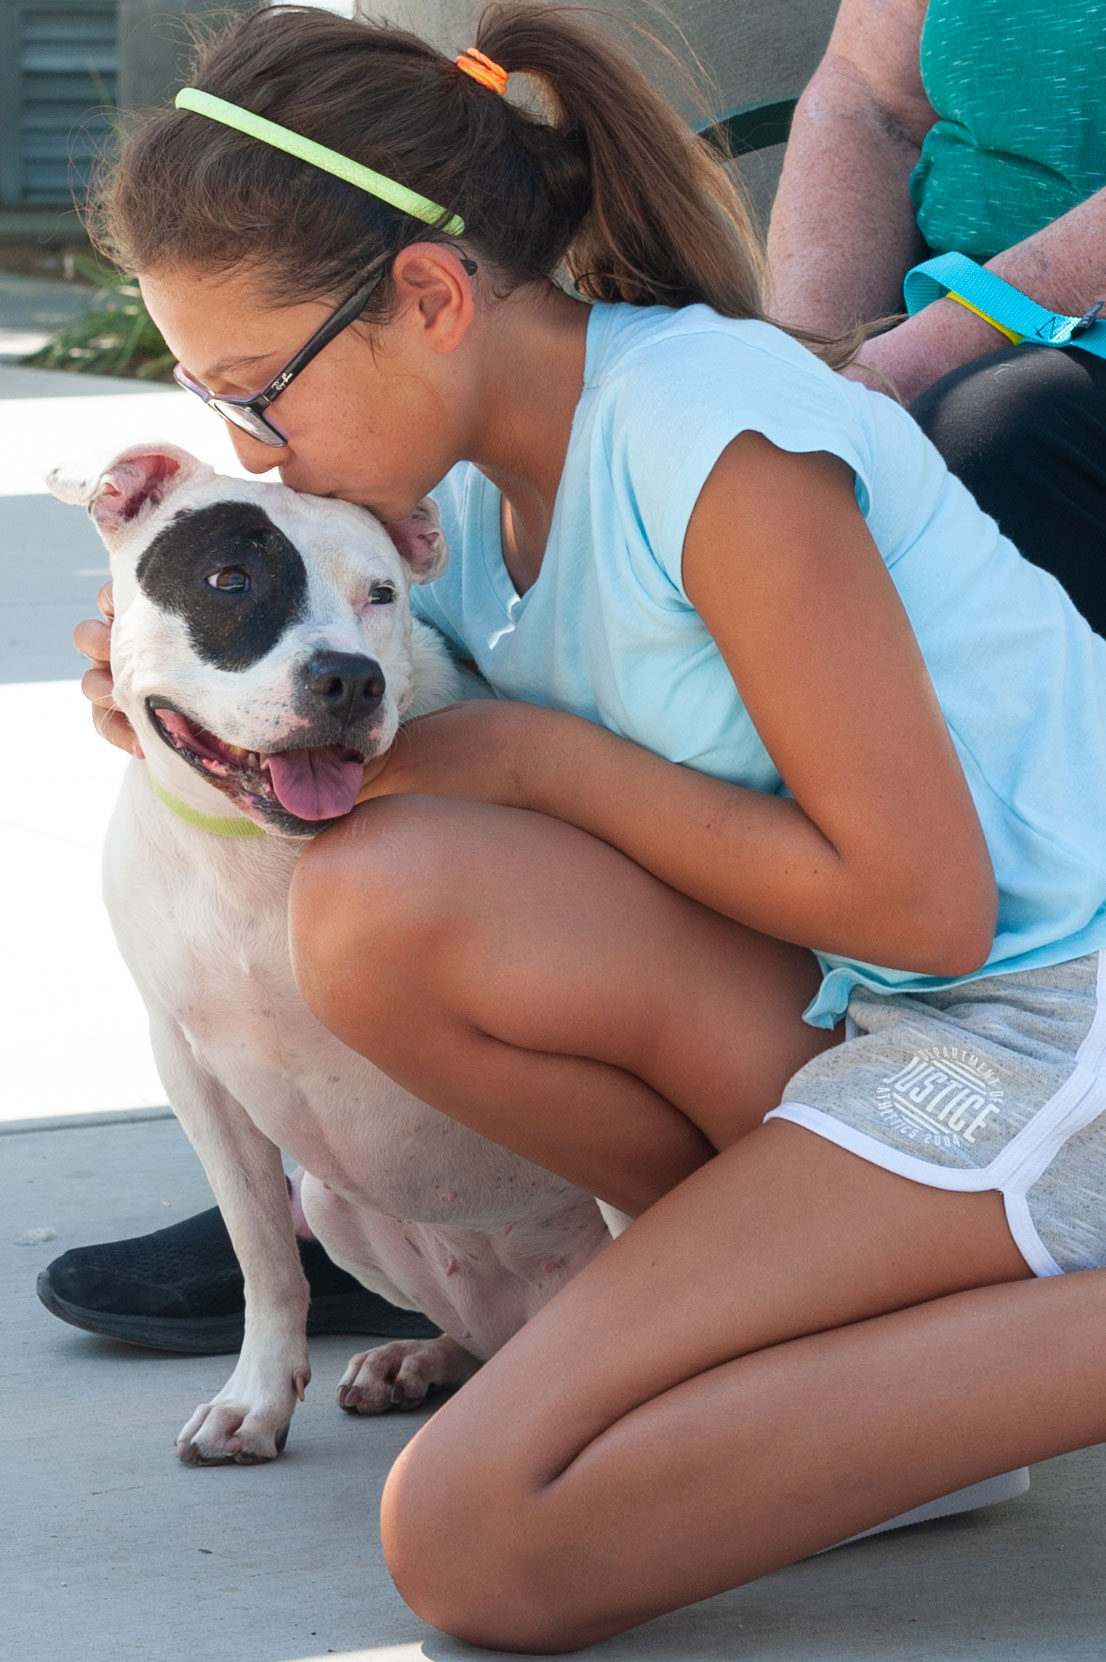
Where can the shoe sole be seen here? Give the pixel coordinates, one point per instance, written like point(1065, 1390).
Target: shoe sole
point(992, 1490)
point(220, 1335)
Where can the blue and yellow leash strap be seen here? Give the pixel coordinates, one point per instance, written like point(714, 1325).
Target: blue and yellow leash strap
point(1001, 304)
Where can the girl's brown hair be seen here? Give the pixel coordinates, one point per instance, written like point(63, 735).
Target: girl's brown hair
point(605, 182)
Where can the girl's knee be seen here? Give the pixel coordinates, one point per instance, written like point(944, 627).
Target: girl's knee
point(476, 1563)
point(368, 898)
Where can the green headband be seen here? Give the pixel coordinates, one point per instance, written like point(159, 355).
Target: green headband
point(306, 150)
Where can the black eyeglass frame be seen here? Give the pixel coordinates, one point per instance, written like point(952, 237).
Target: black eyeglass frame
point(237, 411)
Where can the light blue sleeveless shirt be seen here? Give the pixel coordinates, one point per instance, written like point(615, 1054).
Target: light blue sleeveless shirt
point(607, 631)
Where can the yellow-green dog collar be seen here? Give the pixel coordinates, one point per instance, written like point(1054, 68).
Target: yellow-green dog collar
point(330, 161)
point(239, 826)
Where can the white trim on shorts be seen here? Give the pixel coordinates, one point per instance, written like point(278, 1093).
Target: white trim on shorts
point(1079, 1100)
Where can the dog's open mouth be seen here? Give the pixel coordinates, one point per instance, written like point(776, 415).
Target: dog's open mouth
point(318, 782)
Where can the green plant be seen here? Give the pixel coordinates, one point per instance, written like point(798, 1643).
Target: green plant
point(114, 335)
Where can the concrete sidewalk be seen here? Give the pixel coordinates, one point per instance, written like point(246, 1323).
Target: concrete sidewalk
point(62, 779)
point(32, 309)
point(111, 1548)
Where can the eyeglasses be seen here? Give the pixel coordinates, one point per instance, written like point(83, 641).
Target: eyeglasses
point(248, 414)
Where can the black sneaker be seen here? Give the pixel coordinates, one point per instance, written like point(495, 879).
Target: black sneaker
point(181, 1289)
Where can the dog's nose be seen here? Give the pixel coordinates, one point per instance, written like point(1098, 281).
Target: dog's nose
point(345, 685)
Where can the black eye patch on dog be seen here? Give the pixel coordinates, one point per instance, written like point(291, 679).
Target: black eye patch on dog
point(234, 623)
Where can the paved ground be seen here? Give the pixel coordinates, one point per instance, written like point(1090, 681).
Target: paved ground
point(62, 779)
point(113, 1550)
point(30, 311)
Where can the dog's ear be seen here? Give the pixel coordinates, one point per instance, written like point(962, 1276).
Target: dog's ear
point(421, 541)
point(135, 482)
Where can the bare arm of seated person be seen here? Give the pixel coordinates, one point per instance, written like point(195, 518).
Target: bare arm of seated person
point(1062, 267)
point(843, 234)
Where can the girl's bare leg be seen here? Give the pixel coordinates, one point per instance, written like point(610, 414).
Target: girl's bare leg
point(733, 1384)
point(782, 1351)
point(538, 986)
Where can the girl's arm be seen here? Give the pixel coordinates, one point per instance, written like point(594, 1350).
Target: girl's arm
point(880, 855)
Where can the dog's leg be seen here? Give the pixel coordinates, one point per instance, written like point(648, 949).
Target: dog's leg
point(248, 1420)
point(400, 1374)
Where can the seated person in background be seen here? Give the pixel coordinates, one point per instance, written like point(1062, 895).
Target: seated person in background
point(976, 127)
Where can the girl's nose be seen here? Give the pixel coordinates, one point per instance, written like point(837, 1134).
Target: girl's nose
point(254, 456)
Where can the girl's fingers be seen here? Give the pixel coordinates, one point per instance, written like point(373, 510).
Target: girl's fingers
point(114, 726)
point(109, 722)
point(97, 684)
point(93, 639)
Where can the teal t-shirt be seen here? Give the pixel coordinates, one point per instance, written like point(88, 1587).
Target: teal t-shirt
point(1019, 87)
point(607, 630)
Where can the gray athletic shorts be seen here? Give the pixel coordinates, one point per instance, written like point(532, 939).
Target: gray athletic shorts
point(997, 1084)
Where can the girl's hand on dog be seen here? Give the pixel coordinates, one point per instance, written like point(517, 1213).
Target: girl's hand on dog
point(93, 639)
point(481, 751)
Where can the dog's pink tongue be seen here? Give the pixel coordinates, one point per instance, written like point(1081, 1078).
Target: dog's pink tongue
point(321, 783)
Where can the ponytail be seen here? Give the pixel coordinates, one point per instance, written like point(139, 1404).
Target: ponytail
point(605, 183)
point(665, 226)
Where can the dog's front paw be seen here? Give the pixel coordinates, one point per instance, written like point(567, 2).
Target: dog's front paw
point(223, 1432)
point(399, 1375)
point(245, 1428)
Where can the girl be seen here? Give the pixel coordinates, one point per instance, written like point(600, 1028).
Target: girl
point(793, 748)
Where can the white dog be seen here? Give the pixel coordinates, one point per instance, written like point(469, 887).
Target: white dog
point(263, 647)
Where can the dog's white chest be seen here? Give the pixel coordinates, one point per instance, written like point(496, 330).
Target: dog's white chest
point(242, 1021)
point(204, 929)
point(203, 926)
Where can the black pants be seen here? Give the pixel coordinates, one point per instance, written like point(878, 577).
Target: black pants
point(1025, 429)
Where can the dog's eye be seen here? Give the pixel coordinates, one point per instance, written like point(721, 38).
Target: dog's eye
point(381, 594)
point(232, 580)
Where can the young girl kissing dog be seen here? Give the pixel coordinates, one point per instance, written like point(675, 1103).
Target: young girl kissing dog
point(768, 901)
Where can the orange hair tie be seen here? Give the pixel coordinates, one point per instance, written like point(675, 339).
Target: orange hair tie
point(483, 69)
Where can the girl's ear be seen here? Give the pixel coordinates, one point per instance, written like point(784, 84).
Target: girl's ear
point(434, 286)
point(421, 541)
